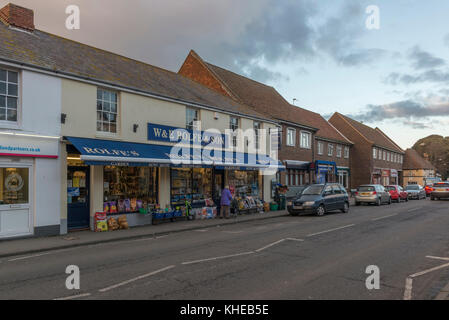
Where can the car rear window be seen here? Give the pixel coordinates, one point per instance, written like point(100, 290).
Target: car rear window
point(441, 185)
point(390, 188)
point(412, 188)
point(366, 188)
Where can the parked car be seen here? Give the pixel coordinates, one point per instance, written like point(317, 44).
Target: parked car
point(293, 193)
point(397, 193)
point(428, 188)
point(372, 193)
point(440, 190)
point(319, 199)
point(415, 191)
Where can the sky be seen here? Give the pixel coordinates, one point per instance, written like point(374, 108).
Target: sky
point(319, 52)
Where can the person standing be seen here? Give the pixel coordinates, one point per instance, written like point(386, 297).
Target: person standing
point(225, 203)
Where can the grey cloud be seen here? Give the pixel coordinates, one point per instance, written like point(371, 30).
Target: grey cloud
point(406, 109)
point(434, 76)
point(424, 60)
point(418, 125)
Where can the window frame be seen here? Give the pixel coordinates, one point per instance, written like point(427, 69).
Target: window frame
point(293, 144)
point(320, 148)
point(303, 133)
point(375, 151)
point(234, 127)
point(257, 134)
point(8, 124)
point(330, 149)
point(339, 151)
point(197, 117)
point(346, 152)
point(117, 114)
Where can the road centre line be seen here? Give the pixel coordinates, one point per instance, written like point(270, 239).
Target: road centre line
point(135, 279)
point(218, 258)
point(270, 245)
point(421, 273)
point(330, 230)
point(384, 217)
point(437, 258)
point(74, 297)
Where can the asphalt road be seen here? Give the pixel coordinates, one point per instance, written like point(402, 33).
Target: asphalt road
point(303, 257)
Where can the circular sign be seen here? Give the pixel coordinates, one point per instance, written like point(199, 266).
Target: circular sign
point(14, 182)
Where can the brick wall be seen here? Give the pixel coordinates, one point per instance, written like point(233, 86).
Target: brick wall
point(17, 16)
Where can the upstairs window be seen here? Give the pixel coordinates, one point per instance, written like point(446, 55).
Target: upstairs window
point(192, 115)
point(330, 150)
point(346, 152)
point(305, 140)
point(291, 137)
point(9, 95)
point(106, 111)
point(234, 125)
point(257, 128)
point(320, 148)
point(339, 150)
point(374, 153)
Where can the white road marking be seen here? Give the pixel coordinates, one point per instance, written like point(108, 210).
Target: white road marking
point(409, 280)
point(232, 232)
point(33, 256)
point(74, 297)
point(294, 239)
point(384, 217)
point(136, 279)
point(438, 258)
point(416, 209)
point(270, 245)
point(201, 230)
point(330, 230)
point(218, 258)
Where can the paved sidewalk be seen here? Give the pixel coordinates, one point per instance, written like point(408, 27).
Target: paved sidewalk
point(82, 238)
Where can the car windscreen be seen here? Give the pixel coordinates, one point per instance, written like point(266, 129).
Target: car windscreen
point(366, 188)
point(294, 191)
point(390, 188)
point(412, 188)
point(313, 190)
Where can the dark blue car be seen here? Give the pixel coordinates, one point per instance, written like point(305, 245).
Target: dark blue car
point(319, 199)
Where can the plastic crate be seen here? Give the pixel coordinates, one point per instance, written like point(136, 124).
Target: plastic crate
point(168, 215)
point(158, 215)
point(177, 214)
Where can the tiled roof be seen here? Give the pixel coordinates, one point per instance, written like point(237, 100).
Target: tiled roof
point(374, 135)
point(414, 161)
point(43, 50)
point(326, 130)
point(263, 98)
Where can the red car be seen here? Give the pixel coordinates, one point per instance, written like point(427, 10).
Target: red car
point(397, 193)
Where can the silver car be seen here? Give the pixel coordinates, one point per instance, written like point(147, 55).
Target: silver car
point(440, 190)
point(372, 193)
point(415, 191)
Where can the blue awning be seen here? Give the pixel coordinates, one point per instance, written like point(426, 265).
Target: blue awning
point(109, 152)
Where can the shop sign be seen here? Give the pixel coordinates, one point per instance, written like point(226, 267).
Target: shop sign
point(377, 172)
point(20, 146)
point(157, 132)
point(394, 173)
point(385, 173)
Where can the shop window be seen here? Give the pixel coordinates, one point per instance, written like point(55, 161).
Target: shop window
point(14, 186)
point(305, 139)
point(129, 189)
point(192, 115)
point(243, 183)
point(190, 184)
point(107, 111)
point(9, 95)
point(291, 137)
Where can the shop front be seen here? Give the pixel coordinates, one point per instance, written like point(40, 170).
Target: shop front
point(138, 180)
point(325, 171)
point(394, 177)
point(297, 172)
point(385, 177)
point(376, 176)
point(28, 180)
point(343, 174)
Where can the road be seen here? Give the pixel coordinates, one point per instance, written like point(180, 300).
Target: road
point(305, 257)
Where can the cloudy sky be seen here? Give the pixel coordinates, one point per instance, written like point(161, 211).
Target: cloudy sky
point(316, 51)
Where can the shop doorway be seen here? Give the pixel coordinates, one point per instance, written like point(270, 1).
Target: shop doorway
point(15, 201)
point(218, 186)
point(78, 211)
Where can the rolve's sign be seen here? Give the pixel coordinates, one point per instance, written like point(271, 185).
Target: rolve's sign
point(111, 152)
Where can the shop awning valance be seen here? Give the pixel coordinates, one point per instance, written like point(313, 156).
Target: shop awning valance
point(295, 164)
point(109, 152)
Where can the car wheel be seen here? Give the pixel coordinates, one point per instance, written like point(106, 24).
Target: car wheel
point(389, 201)
point(294, 214)
point(378, 202)
point(357, 204)
point(320, 211)
point(432, 198)
point(345, 208)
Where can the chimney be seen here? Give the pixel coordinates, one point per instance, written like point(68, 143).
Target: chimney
point(16, 16)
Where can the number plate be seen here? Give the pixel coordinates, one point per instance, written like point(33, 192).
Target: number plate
point(298, 207)
point(441, 190)
point(365, 194)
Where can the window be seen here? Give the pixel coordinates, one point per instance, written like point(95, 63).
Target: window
point(9, 95)
point(330, 150)
point(346, 152)
point(257, 127)
point(339, 151)
point(192, 115)
point(374, 153)
point(234, 125)
point(320, 147)
point(291, 137)
point(388, 156)
point(384, 155)
point(305, 140)
point(106, 111)
point(14, 186)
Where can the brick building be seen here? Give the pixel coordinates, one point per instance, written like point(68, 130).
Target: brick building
point(297, 136)
point(416, 169)
point(375, 158)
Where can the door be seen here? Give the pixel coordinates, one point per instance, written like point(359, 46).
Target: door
point(339, 196)
point(15, 208)
point(329, 198)
point(218, 186)
point(78, 211)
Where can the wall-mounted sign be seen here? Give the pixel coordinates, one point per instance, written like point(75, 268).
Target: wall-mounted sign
point(16, 146)
point(158, 132)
